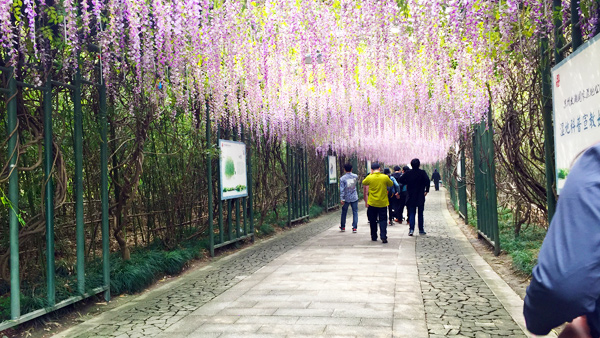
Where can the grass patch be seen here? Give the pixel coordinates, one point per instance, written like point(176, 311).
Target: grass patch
point(524, 248)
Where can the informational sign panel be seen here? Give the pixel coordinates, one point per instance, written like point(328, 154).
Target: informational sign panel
point(234, 181)
point(576, 102)
point(368, 167)
point(332, 164)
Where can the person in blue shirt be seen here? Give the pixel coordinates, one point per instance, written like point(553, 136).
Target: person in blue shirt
point(349, 197)
point(565, 283)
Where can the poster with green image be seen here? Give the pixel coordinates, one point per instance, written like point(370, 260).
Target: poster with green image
point(234, 181)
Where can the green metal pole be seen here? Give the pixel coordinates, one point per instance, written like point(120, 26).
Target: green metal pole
point(476, 174)
point(237, 204)
point(211, 231)
point(245, 200)
point(558, 36)
point(326, 183)
point(220, 205)
point(548, 130)
point(104, 190)
point(49, 193)
point(575, 25)
point(78, 149)
point(492, 179)
point(13, 196)
point(463, 186)
point(306, 196)
point(250, 196)
point(289, 184)
point(229, 221)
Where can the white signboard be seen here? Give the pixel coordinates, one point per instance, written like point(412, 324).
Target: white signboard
point(576, 102)
point(332, 165)
point(234, 182)
point(368, 167)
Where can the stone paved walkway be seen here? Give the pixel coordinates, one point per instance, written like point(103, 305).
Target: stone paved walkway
point(316, 281)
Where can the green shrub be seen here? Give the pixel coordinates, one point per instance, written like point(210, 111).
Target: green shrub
point(4, 308)
point(266, 229)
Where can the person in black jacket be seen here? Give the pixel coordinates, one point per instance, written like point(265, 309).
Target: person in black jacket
point(435, 177)
point(417, 183)
point(565, 283)
point(400, 200)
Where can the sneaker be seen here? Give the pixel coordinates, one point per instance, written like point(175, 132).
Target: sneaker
point(410, 233)
point(374, 240)
point(384, 241)
point(391, 223)
point(396, 220)
point(353, 231)
point(422, 233)
point(342, 229)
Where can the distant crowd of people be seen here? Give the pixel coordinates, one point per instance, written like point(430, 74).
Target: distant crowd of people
point(386, 197)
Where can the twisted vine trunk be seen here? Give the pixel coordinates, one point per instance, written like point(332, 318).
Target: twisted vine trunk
point(131, 173)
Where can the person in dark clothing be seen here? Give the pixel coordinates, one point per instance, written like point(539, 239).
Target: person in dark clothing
point(417, 183)
point(435, 177)
point(399, 201)
point(393, 195)
point(565, 283)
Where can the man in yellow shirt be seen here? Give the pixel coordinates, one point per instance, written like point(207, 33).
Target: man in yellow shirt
point(377, 201)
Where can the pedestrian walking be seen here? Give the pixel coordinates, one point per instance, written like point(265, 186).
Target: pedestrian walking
point(376, 201)
point(349, 197)
point(565, 283)
point(401, 200)
point(435, 177)
point(417, 183)
point(393, 196)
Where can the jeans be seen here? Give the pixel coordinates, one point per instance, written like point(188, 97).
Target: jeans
point(412, 210)
point(376, 215)
point(354, 214)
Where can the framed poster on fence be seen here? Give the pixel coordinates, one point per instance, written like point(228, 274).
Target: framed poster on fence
point(576, 105)
point(368, 167)
point(234, 181)
point(332, 165)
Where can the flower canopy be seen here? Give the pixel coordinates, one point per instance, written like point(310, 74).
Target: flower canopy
point(383, 80)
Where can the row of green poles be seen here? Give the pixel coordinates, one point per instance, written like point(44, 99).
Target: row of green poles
point(13, 195)
point(241, 208)
point(297, 190)
point(485, 184)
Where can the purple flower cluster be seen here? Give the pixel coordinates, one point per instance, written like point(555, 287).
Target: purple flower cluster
point(361, 77)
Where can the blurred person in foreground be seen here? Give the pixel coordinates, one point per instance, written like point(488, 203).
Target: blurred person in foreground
point(565, 283)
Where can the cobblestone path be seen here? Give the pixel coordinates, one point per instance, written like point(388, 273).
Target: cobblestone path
point(457, 301)
point(316, 281)
point(152, 316)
